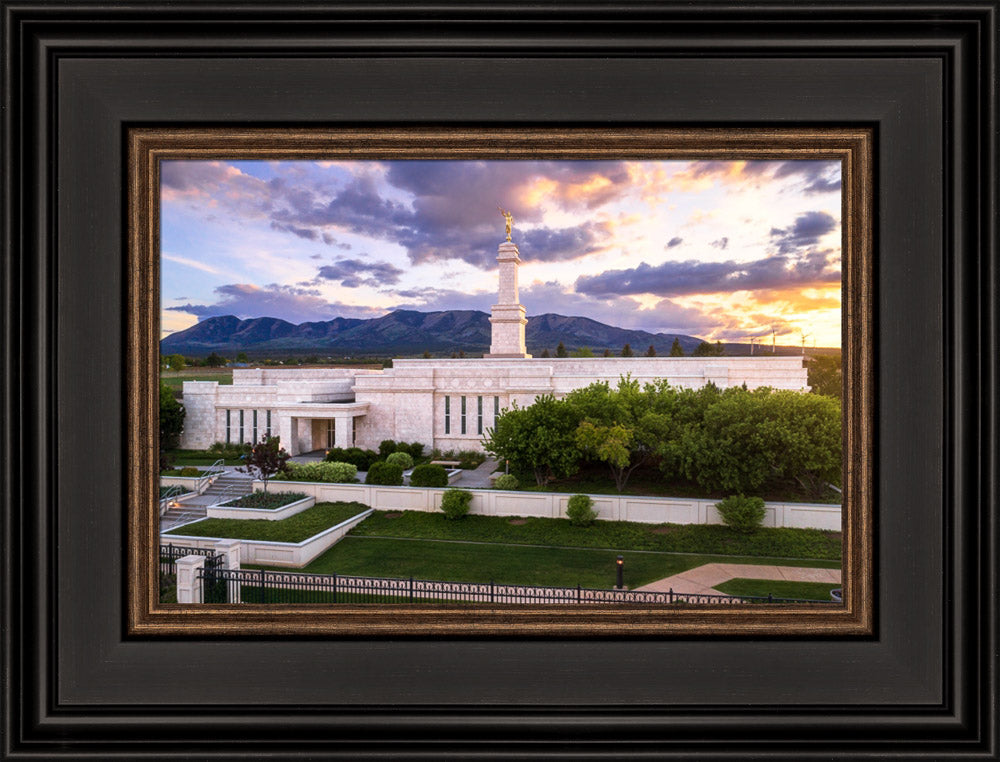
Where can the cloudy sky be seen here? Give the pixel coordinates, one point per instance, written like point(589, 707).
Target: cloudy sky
point(723, 250)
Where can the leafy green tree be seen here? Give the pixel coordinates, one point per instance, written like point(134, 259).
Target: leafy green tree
point(545, 353)
point(265, 459)
point(561, 350)
point(619, 427)
point(427, 355)
point(651, 352)
point(583, 352)
point(627, 351)
point(706, 349)
point(539, 439)
point(171, 418)
point(826, 375)
point(242, 357)
point(607, 353)
point(215, 360)
point(675, 349)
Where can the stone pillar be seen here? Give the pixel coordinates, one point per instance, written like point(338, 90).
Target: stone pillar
point(286, 430)
point(188, 585)
point(343, 431)
point(508, 314)
point(230, 549)
point(303, 435)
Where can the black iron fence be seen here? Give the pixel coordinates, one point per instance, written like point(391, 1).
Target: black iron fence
point(263, 586)
point(170, 553)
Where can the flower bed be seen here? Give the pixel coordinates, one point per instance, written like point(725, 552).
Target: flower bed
point(268, 501)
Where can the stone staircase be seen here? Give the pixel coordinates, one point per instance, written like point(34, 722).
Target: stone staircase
point(230, 485)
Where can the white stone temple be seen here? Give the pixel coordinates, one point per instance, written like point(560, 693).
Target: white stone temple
point(448, 404)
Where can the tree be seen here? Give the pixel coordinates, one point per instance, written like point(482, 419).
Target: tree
point(708, 350)
point(427, 355)
point(539, 439)
point(265, 459)
point(215, 360)
point(561, 350)
point(242, 357)
point(171, 418)
point(627, 351)
point(675, 349)
point(173, 362)
point(607, 353)
point(545, 353)
point(619, 427)
point(651, 352)
point(583, 352)
point(826, 375)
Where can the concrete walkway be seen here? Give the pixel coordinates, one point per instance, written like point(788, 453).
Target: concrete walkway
point(701, 580)
point(477, 477)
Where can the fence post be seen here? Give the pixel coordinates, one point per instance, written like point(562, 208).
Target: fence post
point(578, 593)
point(189, 569)
point(770, 598)
point(262, 588)
point(492, 592)
point(335, 589)
point(671, 594)
point(411, 589)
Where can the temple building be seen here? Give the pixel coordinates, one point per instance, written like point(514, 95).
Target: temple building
point(447, 404)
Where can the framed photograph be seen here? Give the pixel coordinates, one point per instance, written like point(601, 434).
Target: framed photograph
point(143, 138)
point(702, 418)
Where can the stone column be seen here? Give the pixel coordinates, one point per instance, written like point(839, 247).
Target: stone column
point(343, 430)
point(508, 314)
point(286, 430)
point(230, 549)
point(188, 585)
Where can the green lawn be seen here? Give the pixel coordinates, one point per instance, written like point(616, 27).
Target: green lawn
point(470, 562)
point(815, 591)
point(176, 378)
point(295, 528)
point(181, 458)
point(675, 538)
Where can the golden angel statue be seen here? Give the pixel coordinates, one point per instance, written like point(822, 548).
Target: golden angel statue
point(509, 218)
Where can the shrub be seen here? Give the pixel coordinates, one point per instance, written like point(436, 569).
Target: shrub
point(386, 474)
point(455, 503)
point(229, 450)
point(416, 449)
point(506, 481)
point(580, 511)
point(742, 514)
point(429, 476)
point(401, 458)
point(322, 472)
point(190, 471)
point(387, 447)
point(360, 459)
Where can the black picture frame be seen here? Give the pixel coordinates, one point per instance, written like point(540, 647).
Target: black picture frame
point(923, 76)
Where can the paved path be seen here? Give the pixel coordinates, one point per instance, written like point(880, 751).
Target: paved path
point(477, 477)
point(701, 580)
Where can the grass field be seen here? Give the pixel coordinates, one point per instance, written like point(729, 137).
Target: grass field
point(175, 378)
point(814, 591)
point(473, 562)
point(295, 528)
point(675, 538)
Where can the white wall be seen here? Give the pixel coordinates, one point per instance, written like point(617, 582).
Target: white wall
point(645, 510)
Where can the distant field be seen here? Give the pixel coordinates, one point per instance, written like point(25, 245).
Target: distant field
point(175, 378)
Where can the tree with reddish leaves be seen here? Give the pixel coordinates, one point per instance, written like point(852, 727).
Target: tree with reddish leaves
point(265, 459)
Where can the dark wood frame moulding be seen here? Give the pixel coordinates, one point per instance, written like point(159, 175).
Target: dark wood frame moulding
point(86, 675)
point(148, 146)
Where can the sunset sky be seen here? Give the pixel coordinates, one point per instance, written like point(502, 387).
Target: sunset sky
point(721, 250)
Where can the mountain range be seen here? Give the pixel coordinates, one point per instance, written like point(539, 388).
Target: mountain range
point(405, 332)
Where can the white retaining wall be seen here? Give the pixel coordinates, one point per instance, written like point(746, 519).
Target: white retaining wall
point(291, 554)
point(490, 502)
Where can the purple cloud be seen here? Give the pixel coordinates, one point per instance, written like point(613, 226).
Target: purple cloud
point(675, 241)
point(350, 271)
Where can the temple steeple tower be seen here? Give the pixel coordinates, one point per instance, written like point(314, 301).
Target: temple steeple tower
point(507, 315)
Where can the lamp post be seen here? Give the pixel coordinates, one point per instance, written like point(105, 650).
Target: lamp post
point(620, 568)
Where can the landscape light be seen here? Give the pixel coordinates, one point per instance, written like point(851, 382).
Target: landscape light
point(620, 563)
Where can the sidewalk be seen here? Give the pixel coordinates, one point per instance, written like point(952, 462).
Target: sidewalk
point(701, 580)
point(478, 477)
